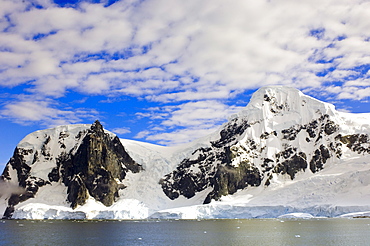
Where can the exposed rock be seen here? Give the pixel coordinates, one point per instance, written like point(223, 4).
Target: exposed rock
point(18, 163)
point(292, 165)
point(186, 181)
point(77, 192)
point(321, 155)
point(98, 163)
point(95, 167)
point(45, 150)
point(231, 164)
point(211, 167)
point(291, 133)
point(229, 179)
point(359, 143)
point(230, 133)
point(30, 184)
point(54, 175)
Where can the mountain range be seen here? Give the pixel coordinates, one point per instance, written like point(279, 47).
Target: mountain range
point(284, 154)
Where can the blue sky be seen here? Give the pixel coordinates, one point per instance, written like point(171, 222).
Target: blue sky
point(167, 72)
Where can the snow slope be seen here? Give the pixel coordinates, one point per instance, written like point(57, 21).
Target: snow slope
point(278, 118)
point(337, 190)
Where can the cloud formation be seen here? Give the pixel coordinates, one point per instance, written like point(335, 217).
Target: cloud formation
point(190, 56)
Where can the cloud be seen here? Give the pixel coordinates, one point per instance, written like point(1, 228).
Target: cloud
point(185, 122)
point(45, 112)
point(121, 130)
point(142, 134)
point(180, 136)
point(182, 54)
point(199, 113)
point(234, 46)
point(352, 92)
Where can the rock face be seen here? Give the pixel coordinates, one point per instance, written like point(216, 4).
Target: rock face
point(94, 166)
point(213, 167)
point(97, 167)
point(281, 132)
point(31, 184)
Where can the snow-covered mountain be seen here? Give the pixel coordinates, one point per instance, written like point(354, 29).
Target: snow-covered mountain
point(285, 152)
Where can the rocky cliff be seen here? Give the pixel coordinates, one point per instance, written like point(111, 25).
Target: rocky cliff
point(90, 163)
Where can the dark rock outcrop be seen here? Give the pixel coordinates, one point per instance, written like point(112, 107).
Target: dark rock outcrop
point(95, 166)
point(359, 143)
point(30, 184)
point(211, 167)
point(292, 165)
point(229, 165)
point(228, 179)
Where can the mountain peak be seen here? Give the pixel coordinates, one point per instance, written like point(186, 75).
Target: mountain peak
point(281, 132)
point(274, 101)
point(278, 96)
point(276, 91)
point(97, 126)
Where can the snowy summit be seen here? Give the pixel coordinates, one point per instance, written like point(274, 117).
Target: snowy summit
point(284, 154)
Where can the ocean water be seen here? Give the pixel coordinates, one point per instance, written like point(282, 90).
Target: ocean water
point(187, 232)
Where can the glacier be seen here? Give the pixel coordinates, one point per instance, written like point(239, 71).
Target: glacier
point(279, 128)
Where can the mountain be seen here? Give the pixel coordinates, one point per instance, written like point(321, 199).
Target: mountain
point(284, 153)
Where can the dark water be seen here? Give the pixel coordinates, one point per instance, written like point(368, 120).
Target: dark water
point(205, 232)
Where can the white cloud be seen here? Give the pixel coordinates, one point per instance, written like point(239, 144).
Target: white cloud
point(121, 130)
point(359, 82)
point(351, 92)
point(142, 134)
point(45, 112)
point(237, 42)
point(183, 53)
point(201, 113)
point(185, 122)
point(180, 136)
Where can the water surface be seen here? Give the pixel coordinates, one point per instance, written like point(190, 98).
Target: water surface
point(184, 232)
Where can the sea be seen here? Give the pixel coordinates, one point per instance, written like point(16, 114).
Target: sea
point(187, 232)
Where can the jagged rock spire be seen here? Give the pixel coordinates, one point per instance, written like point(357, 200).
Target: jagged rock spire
point(100, 163)
point(97, 126)
point(94, 167)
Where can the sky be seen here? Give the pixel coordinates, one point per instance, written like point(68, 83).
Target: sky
point(168, 72)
